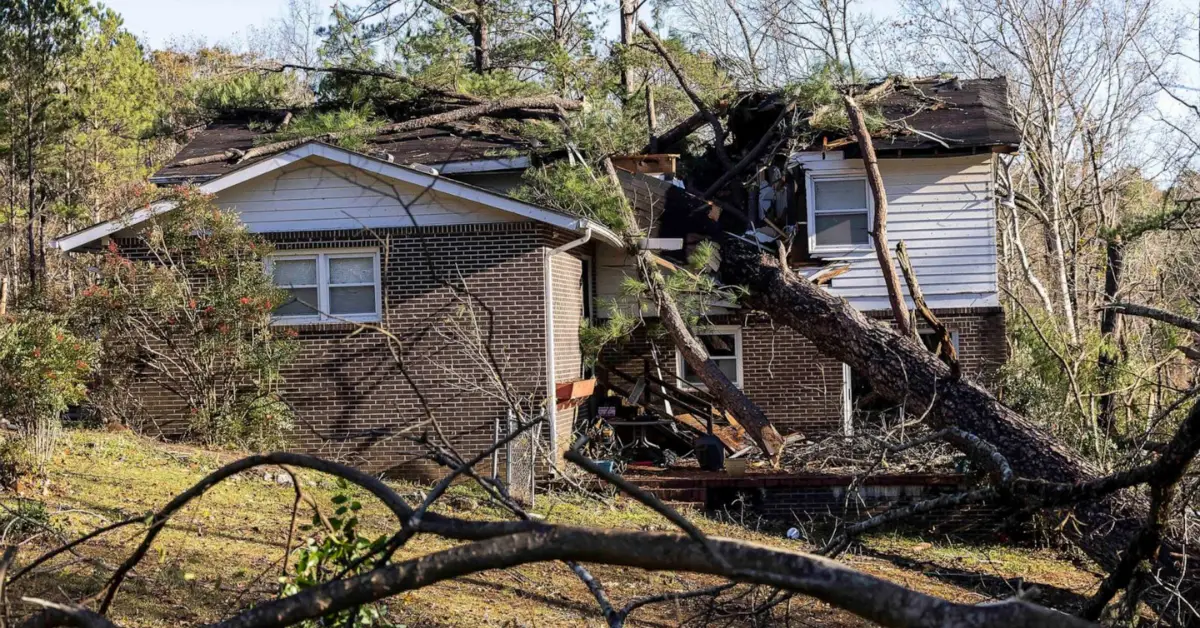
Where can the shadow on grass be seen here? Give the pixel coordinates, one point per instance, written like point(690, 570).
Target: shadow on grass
point(992, 585)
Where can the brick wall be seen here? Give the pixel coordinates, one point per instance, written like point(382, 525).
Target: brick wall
point(352, 398)
point(566, 276)
point(799, 388)
point(817, 501)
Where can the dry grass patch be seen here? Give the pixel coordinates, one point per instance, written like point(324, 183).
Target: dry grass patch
point(224, 551)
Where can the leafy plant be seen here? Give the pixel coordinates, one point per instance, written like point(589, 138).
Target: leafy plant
point(22, 519)
point(574, 190)
point(358, 124)
point(193, 312)
point(44, 369)
point(340, 551)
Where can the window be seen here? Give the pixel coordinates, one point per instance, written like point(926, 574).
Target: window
point(327, 287)
point(839, 212)
point(724, 346)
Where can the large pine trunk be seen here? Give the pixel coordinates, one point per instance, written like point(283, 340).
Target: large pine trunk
point(902, 370)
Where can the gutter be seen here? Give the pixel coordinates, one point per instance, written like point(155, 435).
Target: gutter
point(548, 280)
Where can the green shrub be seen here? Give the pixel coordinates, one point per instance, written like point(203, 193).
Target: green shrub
point(195, 319)
point(44, 369)
point(24, 518)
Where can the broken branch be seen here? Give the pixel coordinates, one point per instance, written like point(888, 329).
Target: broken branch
point(945, 345)
point(858, 126)
point(455, 115)
point(713, 121)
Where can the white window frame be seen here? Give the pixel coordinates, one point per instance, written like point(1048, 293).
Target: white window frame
point(715, 330)
point(322, 257)
point(810, 189)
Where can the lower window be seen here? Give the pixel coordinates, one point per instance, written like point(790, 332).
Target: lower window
point(724, 345)
point(327, 287)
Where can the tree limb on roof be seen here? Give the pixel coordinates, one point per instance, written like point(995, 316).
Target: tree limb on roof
point(713, 121)
point(455, 115)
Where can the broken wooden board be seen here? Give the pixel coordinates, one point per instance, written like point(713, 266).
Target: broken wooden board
point(727, 435)
point(574, 393)
point(635, 394)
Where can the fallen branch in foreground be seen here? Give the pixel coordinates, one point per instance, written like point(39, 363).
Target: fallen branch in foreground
point(503, 544)
point(872, 598)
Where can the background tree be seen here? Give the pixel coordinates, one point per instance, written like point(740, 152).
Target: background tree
point(38, 39)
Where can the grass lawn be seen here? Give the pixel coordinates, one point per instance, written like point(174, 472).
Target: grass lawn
point(224, 551)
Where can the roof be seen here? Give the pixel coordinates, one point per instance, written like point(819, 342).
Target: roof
point(944, 114)
point(456, 143)
point(436, 183)
point(975, 115)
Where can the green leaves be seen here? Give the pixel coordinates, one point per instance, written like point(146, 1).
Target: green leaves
point(573, 189)
point(205, 283)
point(341, 549)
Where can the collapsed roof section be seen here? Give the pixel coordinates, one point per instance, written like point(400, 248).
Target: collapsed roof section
point(451, 147)
point(925, 116)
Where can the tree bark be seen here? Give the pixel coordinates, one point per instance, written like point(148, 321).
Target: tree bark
point(1109, 357)
point(858, 127)
point(481, 38)
point(628, 9)
point(900, 369)
point(945, 347)
point(752, 418)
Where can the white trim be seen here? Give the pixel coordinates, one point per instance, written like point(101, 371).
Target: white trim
point(716, 330)
point(810, 179)
point(847, 400)
point(953, 336)
point(322, 257)
point(548, 315)
point(483, 165)
point(660, 244)
point(362, 162)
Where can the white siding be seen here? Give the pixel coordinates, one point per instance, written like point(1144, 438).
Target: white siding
point(940, 207)
point(312, 195)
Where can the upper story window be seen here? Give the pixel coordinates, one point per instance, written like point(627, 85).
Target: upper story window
point(724, 346)
point(839, 212)
point(328, 287)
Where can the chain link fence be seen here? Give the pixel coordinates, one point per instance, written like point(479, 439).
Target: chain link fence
point(518, 469)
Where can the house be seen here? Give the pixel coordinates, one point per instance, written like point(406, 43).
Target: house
point(410, 231)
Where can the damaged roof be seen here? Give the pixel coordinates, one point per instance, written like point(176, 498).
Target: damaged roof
point(455, 143)
point(941, 114)
point(973, 113)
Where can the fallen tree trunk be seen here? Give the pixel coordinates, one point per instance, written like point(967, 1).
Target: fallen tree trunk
point(752, 418)
point(900, 369)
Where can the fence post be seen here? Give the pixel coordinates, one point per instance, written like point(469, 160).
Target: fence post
point(508, 459)
point(496, 451)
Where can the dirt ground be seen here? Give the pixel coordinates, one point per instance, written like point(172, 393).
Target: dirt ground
point(224, 552)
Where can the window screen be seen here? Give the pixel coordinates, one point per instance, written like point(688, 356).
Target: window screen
point(840, 212)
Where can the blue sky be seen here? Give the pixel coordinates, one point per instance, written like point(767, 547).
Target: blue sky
point(160, 21)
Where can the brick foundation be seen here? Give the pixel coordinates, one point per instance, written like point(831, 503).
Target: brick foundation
point(816, 502)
